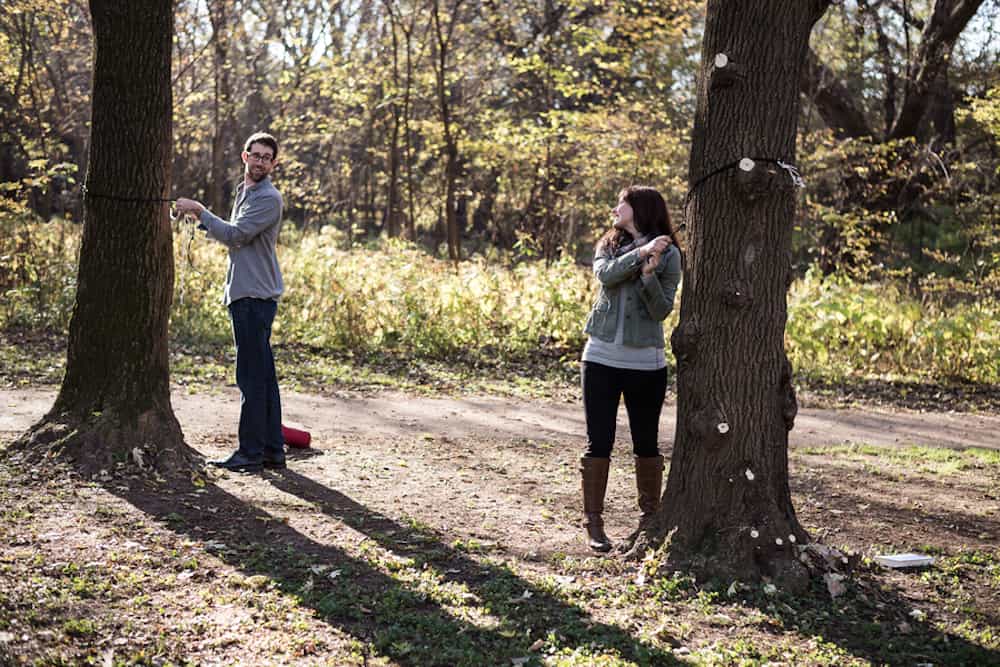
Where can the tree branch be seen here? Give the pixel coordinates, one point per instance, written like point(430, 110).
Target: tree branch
point(832, 99)
point(904, 13)
point(948, 19)
point(885, 62)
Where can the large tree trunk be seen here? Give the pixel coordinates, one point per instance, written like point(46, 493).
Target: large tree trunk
point(727, 498)
point(948, 18)
point(114, 402)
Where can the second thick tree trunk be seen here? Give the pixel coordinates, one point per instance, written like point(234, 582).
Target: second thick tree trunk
point(114, 402)
point(727, 499)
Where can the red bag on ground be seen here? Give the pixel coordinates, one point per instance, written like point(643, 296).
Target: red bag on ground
point(295, 438)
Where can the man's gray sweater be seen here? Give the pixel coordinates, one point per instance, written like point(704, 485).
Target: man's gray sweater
point(251, 235)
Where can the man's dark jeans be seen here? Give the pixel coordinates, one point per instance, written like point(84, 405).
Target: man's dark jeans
point(260, 411)
point(603, 387)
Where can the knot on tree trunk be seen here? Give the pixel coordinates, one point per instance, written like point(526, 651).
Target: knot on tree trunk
point(725, 72)
point(789, 402)
point(755, 180)
point(736, 293)
point(684, 343)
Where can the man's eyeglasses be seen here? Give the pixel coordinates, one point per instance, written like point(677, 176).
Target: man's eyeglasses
point(260, 157)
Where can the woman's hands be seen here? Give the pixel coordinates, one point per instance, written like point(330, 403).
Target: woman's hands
point(650, 253)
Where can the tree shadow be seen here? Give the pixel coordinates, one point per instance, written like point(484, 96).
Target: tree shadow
point(419, 617)
point(873, 620)
point(962, 526)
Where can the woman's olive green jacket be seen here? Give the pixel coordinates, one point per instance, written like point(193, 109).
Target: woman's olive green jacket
point(647, 302)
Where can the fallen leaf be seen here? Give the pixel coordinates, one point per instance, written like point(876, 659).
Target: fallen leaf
point(526, 595)
point(835, 584)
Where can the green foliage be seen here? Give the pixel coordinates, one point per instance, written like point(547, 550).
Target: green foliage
point(837, 328)
point(37, 269)
point(395, 296)
point(900, 209)
point(928, 460)
point(392, 296)
point(986, 111)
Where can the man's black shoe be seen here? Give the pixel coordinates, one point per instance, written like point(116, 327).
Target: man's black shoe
point(238, 463)
point(275, 464)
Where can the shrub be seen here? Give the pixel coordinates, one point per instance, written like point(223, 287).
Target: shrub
point(393, 296)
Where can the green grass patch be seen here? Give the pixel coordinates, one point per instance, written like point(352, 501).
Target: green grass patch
point(933, 460)
point(79, 627)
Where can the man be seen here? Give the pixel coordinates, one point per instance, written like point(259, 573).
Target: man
point(253, 287)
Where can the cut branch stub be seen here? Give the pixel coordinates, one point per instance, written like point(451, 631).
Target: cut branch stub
point(736, 293)
point(710, 427)
point(754, 179)
point(725, 72)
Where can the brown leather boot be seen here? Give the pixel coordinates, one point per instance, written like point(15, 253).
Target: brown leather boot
point(594, 473)
point(649, 484)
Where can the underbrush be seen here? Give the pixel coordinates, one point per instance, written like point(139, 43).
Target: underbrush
point(838, 329)
point(394, 298)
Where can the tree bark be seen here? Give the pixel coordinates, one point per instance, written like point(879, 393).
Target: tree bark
point(115, 396)
point(727, 503)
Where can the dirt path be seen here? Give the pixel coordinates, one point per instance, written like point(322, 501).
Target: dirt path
point(394, 415)
point(419, 519)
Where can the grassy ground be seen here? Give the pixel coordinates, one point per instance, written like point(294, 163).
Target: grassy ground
point(424, 551)
point(37, 358)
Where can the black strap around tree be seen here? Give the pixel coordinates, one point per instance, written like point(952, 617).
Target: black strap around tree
point(135, 200)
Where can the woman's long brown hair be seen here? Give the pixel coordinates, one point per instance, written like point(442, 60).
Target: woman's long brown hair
point(649, 212)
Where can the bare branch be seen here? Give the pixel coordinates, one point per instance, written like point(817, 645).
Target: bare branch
point(948, 19)
point(832, 99)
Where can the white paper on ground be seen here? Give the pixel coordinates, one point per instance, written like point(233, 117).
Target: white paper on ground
point(904, 560)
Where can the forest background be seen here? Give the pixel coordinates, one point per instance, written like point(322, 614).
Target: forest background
point(447, 166)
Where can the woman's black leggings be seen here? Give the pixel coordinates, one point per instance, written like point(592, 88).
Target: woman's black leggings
point(644, 391)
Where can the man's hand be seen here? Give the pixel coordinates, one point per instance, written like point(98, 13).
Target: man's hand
point(189, 207)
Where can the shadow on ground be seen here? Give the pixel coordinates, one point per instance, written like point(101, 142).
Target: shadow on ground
point(872, 621)
point(401, 620)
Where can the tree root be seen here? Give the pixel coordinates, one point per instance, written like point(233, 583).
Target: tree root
point(151, 443)
point(792, 571)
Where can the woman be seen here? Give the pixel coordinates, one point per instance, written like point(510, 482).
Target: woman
point(638, 266)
